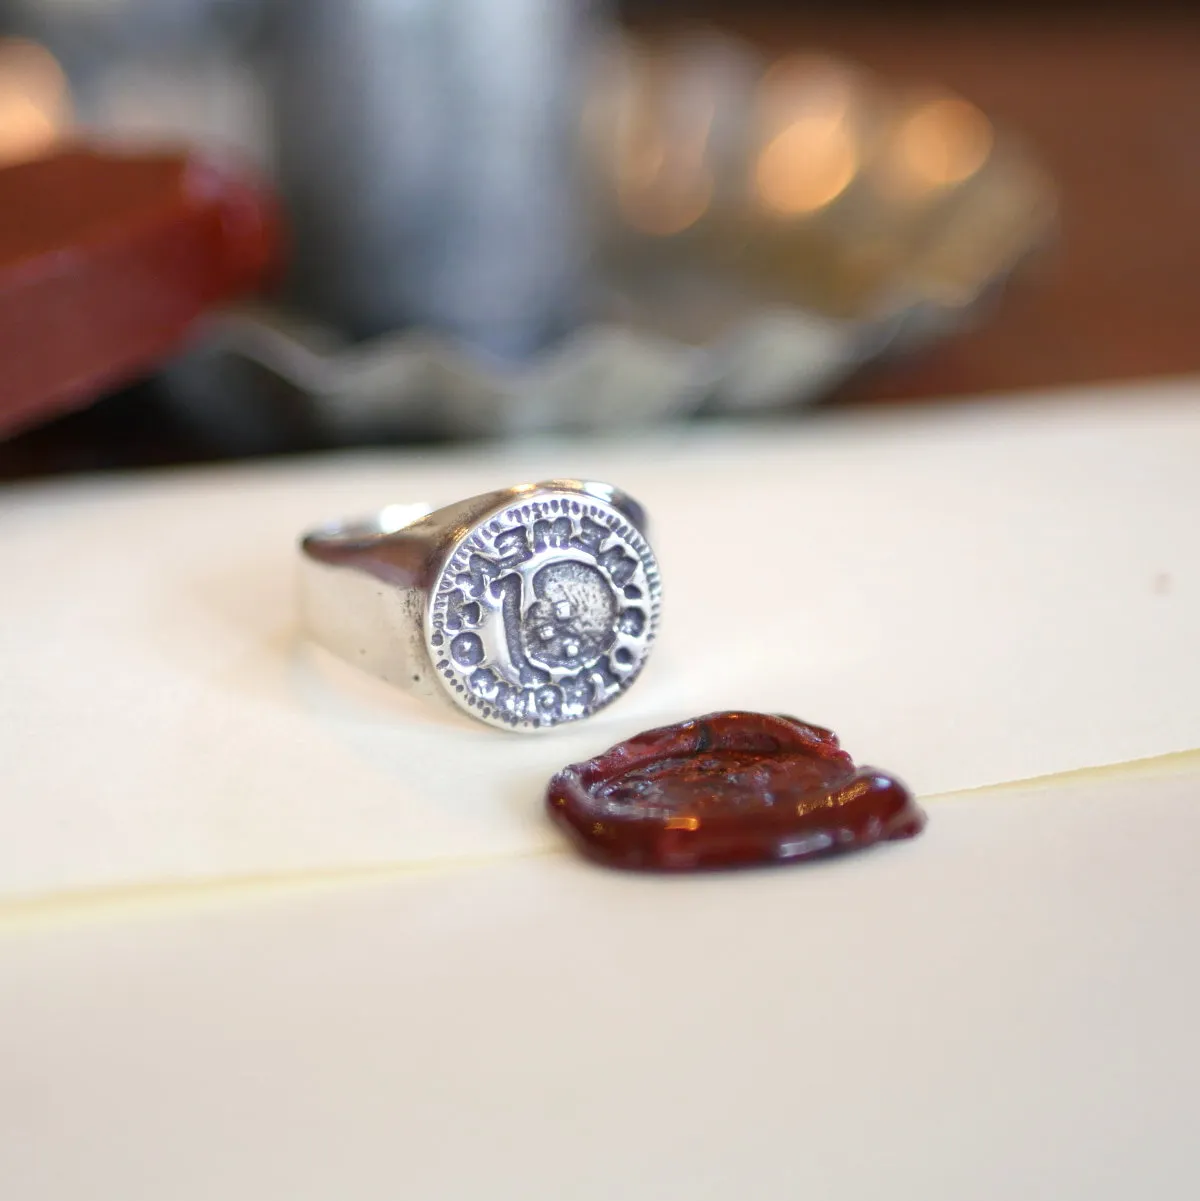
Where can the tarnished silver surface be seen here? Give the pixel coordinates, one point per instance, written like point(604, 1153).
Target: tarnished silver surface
point(527, 607)
point(758, 231)
point(253, 363)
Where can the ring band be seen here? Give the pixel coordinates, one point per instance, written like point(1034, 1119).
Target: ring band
point(527, 607)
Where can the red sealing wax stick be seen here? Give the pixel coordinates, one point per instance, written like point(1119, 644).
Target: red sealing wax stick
point(107, 259)
point(728, 790)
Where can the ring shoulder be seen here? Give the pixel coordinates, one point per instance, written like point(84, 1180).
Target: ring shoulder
point(366, 621)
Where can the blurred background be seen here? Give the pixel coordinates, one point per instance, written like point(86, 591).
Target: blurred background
point(248, 227)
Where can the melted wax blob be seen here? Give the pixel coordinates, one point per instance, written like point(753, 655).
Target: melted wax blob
point(728, 790)
point(106, 260)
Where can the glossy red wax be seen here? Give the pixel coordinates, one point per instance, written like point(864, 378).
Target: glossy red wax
point(728, 790)
point(107, 259)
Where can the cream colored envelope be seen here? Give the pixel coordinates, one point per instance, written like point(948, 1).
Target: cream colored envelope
point(967, 595)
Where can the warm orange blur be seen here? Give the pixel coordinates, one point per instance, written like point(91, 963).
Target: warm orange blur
point(35, 103)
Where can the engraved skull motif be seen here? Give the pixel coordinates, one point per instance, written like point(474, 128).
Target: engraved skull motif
point(573, 620)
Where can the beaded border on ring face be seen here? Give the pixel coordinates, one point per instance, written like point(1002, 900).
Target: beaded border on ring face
point(545, 612)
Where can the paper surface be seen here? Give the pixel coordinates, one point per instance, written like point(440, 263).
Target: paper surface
point(967, 596)
point(1003, 1009)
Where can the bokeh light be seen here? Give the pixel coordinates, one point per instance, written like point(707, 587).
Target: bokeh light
point(35, 102)
point(810, 145)
point(940, 143)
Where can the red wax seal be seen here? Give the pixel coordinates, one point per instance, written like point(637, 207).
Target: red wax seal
point(107, 259)
point(728, 790)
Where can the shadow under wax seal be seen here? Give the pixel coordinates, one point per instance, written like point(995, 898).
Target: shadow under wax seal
point(728, 790)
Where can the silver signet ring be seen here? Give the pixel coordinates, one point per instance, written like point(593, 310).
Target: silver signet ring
point(527, 607)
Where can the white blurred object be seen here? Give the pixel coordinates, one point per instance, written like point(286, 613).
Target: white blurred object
point(216, 101)
point(425, 151)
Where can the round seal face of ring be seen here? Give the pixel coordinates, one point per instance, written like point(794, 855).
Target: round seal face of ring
point(545, 612)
